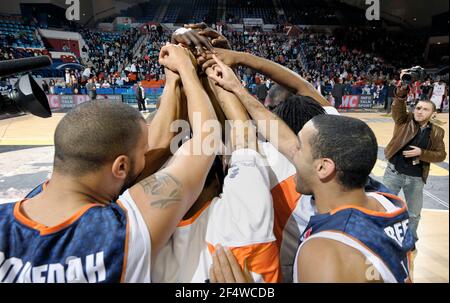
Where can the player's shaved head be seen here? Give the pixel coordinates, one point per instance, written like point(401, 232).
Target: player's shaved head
point(94, 134)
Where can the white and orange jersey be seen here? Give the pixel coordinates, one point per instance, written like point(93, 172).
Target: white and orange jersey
point(241, 219)
point(292, 210)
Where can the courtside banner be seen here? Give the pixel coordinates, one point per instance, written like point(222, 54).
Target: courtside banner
point(365, 101)
point(67, 102)
point(355, 101)
point(350, 101)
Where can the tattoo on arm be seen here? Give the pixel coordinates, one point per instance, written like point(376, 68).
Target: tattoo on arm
point(165, 187)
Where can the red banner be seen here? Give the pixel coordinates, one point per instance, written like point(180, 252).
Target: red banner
point(350, 101)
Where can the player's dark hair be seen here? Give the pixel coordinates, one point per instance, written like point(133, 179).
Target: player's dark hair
point(297, 110)
point(93, 134)
point(350, 143)
point(277, 94)
point(216, 173)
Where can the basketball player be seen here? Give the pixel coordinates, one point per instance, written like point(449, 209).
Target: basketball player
point(438, 94)
point(291, 214)
point(232, 214)
point(75, 229)
point(333, 157)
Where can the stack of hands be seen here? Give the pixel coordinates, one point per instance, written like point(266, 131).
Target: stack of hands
point(212, 55)
point(197, 48)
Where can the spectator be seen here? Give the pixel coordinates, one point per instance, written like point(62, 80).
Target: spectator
point(91, 89)
point(337, 92)
point(140, 97)
point(261, 91)
point(390, 95)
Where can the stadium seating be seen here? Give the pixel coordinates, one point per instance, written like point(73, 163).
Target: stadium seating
point(310, 12)
point(265, 10)
point(144, 12)
point(16, 34)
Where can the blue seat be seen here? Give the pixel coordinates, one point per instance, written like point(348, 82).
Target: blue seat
point(105, 91)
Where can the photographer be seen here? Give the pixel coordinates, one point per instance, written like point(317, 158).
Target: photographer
point(416, 142)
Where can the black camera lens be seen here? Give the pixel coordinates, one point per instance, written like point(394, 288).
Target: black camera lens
point(406, 77)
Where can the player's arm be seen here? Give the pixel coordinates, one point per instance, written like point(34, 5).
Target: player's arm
point(229, 103)
point(281, 136)
point(166, 196)
point(243, 133)
point(274, 71)
point(159, 134)
point(208, 86)
point(256, 206)
point(328, 261)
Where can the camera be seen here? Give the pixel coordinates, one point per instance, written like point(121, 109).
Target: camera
point(413, 74)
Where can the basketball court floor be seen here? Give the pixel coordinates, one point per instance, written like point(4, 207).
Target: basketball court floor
point(26, 156)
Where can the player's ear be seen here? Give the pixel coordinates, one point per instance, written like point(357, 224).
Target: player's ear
point(325, 169)
point(121, 167)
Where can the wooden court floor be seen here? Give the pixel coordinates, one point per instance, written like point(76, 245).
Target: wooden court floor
point(432, 261)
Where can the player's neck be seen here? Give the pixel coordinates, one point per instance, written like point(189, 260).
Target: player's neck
point(65, 196)
point(334, 197)
point(76, 190)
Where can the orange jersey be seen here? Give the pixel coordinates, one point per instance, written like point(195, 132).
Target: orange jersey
point(241, 218)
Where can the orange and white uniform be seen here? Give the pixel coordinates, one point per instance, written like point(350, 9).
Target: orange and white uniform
point(438, 94)
point(241, 218)
point(292, 210)
point(287, 226)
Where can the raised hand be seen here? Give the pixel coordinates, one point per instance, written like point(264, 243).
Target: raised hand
point(225, 268)
point(171, 76)
point(192, 39)
point(224, 76)
point(229, 57)
point(217, 39)
point(176, 57)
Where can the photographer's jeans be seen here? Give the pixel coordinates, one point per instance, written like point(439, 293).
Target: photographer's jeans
point(413, 189)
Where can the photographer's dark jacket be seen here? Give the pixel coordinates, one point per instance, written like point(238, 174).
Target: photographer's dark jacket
point(406, 128)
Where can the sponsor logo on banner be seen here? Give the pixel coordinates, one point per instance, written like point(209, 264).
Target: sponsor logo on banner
point(365, 101)
point(53, 101)
point(350, 101)
point(66, 102)
point(253, 21)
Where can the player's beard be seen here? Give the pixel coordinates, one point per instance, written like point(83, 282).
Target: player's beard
point(301, 185)
point(131, 178)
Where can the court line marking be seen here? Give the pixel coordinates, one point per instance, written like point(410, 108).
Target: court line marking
point(438, 200)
